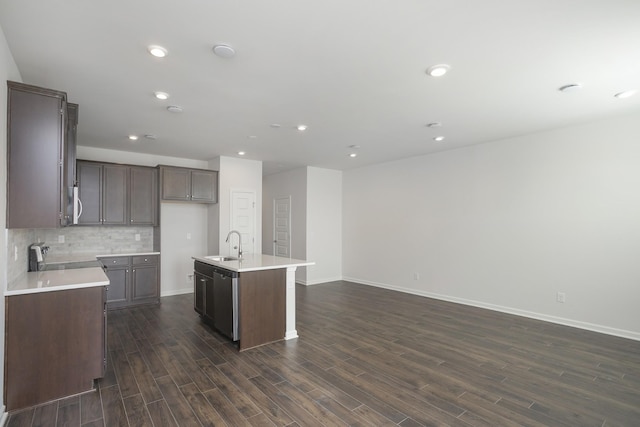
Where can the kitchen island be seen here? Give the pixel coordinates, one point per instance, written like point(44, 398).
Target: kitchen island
point(256, 300)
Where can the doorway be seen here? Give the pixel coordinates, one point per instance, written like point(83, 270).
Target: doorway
point(282, 226)
point(243, 219)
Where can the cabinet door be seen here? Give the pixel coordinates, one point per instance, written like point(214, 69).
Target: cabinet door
point(142, 196)
point(176, 184)
point(144, 283)
point(35, 131)
point(204, 186)
point(114, 194)
point(209, 300)
point(117, 292)
point(69, 162)
point(90, 192)
point(198, 292)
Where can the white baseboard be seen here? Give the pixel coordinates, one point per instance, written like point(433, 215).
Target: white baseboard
point(177, 292)
point(323, 280)
point(509, 310)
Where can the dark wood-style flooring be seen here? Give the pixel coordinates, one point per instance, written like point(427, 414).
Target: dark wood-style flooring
point(365, 357)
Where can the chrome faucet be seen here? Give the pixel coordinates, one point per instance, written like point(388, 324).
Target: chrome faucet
point(239, 242)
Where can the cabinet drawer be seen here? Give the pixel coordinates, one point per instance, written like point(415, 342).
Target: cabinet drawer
point(115, 261)
point(204, 269)
point(145, 259)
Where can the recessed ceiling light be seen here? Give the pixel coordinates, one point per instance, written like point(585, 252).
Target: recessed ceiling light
point(174, 109)
point(302, 128)
point(157, 51)
point(353, 155)
point(224, 51)
point(570, 87)
point(275, 125)
point(133, 137)
point(434, 125)
point(438, 138)
point(625, 94)
point(161, 95)
point(438, 70)
point(241, 153)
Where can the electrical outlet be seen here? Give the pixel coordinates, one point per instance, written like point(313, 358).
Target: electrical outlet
point(188, 236)
point(15, 252)
point(189, 278)
point(416, 276)
point(61, 238)
point(561, 297)
point(137, 237)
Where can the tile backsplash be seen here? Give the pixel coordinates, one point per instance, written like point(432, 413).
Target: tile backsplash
point(77, 240)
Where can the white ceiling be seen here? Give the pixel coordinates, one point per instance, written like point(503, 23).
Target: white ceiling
point(352, 70)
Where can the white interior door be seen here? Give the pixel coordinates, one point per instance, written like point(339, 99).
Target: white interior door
point(243, 219)
point(282, 226)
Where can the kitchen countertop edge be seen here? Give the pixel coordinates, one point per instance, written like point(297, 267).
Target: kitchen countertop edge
point(57, 280)
point(255, 263)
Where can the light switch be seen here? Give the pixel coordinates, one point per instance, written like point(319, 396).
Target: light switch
point(188, 236)
point(137, 237)
point(61, 238)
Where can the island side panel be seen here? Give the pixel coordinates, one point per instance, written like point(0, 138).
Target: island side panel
point(54, 345)
point(262, 307)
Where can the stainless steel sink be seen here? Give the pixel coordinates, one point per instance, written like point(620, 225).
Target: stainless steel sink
point(221, 258)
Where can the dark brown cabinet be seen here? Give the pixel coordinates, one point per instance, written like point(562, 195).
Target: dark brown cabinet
point(133, 280)
point(143, 195)
point(70, 162)
point(189, 185)
point(55, 345)
point(38, 157)
point(248, 307)
point(114, 194)
point(144, 279)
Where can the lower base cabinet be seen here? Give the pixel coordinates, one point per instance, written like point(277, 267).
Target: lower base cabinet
point(133, 280)
point(253, 314)
point(55, 345)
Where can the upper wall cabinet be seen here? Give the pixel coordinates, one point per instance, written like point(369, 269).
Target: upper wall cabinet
point(117, 194)
point(189, 185)
point(38, 157)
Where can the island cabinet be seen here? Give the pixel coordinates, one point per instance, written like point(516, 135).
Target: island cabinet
point(113, 194)
point(189, 185)
point(38, 157)
point(134, 280)
point(55, 344)
point(247, 307)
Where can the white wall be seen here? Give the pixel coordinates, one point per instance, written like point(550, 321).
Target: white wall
point(177, 220)
point(8, 71)
point(241, 175)
point(291, 183)
point(324, 225)
point(508, 224)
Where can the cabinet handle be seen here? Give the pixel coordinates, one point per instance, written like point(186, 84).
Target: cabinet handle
point(145, 260)
point(114, 262)
point(203, 280)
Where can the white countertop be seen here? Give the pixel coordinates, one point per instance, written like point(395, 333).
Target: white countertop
point(60, 259)
point(57, 280)
point(255, 262)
